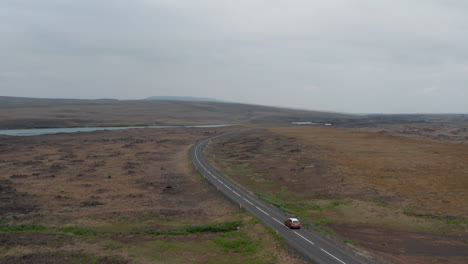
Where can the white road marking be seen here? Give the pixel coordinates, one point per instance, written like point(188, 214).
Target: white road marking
point(304, 238)
point(209, 172)
point(237, 193)
point(199, 162)
point(332, 255)
point(248, 201)
point(262, 210)
point(228, 187)
point(277, 220)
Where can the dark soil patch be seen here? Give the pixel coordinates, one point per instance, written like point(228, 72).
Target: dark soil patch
point(90, 204)
point(61, 258)
point(41, 239)
point(13, 202)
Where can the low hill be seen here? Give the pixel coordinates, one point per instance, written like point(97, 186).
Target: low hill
point(182, 98)
point(37, 113)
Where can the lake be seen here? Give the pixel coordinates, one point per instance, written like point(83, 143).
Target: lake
point(42, 131)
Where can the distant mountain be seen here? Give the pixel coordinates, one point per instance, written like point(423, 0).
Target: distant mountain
point(182, 98)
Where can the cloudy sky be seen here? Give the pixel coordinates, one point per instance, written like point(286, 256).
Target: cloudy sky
point(358, 56)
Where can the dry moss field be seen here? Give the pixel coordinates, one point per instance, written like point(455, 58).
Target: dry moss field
point(127, 196)
point(404, 199)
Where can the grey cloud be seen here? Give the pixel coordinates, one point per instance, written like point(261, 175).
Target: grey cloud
point(342, 55)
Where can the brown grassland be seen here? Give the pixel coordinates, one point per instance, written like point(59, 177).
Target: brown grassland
point(404, 199)
point(448, 131)
point(128, 196)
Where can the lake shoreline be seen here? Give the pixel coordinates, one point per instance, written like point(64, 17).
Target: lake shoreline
point(48, 131)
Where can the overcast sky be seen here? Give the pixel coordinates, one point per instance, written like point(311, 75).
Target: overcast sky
point(358, 56)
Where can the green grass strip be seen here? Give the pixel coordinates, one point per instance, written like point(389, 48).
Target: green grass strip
point(215, 227)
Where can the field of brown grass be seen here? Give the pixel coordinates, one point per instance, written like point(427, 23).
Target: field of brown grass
point(405, 199)
point(113, 196)
point(455, 132)
point(432, 176)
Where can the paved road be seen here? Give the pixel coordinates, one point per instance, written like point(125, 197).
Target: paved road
point(309, 244)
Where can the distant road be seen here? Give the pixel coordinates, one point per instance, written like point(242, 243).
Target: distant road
point(310, 245)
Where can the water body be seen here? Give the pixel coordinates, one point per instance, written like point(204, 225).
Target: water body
point(42, 131)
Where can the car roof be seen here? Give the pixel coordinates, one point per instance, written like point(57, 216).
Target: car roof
point(293, 219)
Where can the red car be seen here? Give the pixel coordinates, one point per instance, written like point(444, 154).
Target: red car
point(292, 223)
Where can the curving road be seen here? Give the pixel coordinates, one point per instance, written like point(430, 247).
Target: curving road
point(310, 245)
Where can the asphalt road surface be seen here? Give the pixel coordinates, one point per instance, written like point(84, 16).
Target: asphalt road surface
point(307, 243)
